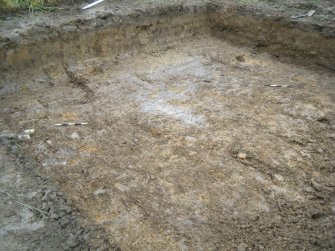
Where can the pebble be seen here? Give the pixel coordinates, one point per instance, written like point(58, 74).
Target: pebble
point(52, 195)
point(29, 131)
point(242, 247)
point(24, 137)
point(320, 150)
point(74, 136)
point(45, 206)
point(100, 191)
point(6, 134)
point(240, 58)
point(241, 155)
point(55, 216)
point(72, 241)
point(316, 213)
point(131, 167)
point(317, 186)
point(279, 177)
point(67, 209)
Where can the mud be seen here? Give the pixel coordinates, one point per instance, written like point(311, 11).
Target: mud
point(187, 147)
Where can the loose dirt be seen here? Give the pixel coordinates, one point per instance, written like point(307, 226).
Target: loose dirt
point(210, 127)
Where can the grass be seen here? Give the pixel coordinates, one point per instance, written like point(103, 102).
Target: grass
point(26, 4)
point(252, 2)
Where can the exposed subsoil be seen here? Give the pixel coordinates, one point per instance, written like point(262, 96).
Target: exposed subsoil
point(187, 146)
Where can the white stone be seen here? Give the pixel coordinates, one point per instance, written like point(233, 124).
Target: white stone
point(241, 155)
point(278, 177)
point(24, 137)
point(74, 136)
point(29, 131)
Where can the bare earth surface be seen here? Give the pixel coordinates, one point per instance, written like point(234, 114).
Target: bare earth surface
point(187, 147)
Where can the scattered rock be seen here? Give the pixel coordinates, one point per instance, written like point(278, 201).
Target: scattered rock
point(52, 195)
point(240, 58)
point(308, 189)
point(29, 131)
point(242, 247)
point(7, 135)
point(72, 242)
point(278, 177)
point(23, 137)
point(55, 216)
point(67, 209)
point(277, 219)
point(320, 150)
point(242, 155)
point(45, 206)
point(74, 136)
point(122, 187)
point(316, 213)
point(317, 186)
point(323, 119)
point(100, 191)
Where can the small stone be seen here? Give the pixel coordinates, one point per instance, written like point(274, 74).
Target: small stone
point(242, 155)
point(49, 142)
point(45, 198)
point(315, 214)
point(24, 137)
point(67, 209)
point(100, 191)
point(72, 241)
point(29, 131)
point(122, 187)
point(45, 206)
point(55, 216)
point(52, 195)
point(240, 58)
point(64, 222)
point(277, 219)
point(242, 247)
point(316, 185)
point(308, 189)
point(319, 150)
point(7, 135)
point(278, 177)
point(74, 136)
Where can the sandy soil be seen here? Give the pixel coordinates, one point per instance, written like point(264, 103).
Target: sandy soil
point(187, 146)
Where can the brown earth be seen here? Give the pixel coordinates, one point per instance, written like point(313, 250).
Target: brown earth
point(188, 146)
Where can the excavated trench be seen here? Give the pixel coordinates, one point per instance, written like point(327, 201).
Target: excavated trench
point(207, 129)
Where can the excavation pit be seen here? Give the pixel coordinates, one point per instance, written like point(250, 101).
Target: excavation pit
point(196, 139)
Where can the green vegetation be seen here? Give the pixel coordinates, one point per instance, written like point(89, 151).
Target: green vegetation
point(253, 2)
point(26, 4)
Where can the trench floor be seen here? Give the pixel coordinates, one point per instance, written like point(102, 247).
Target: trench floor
point(160, 164)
